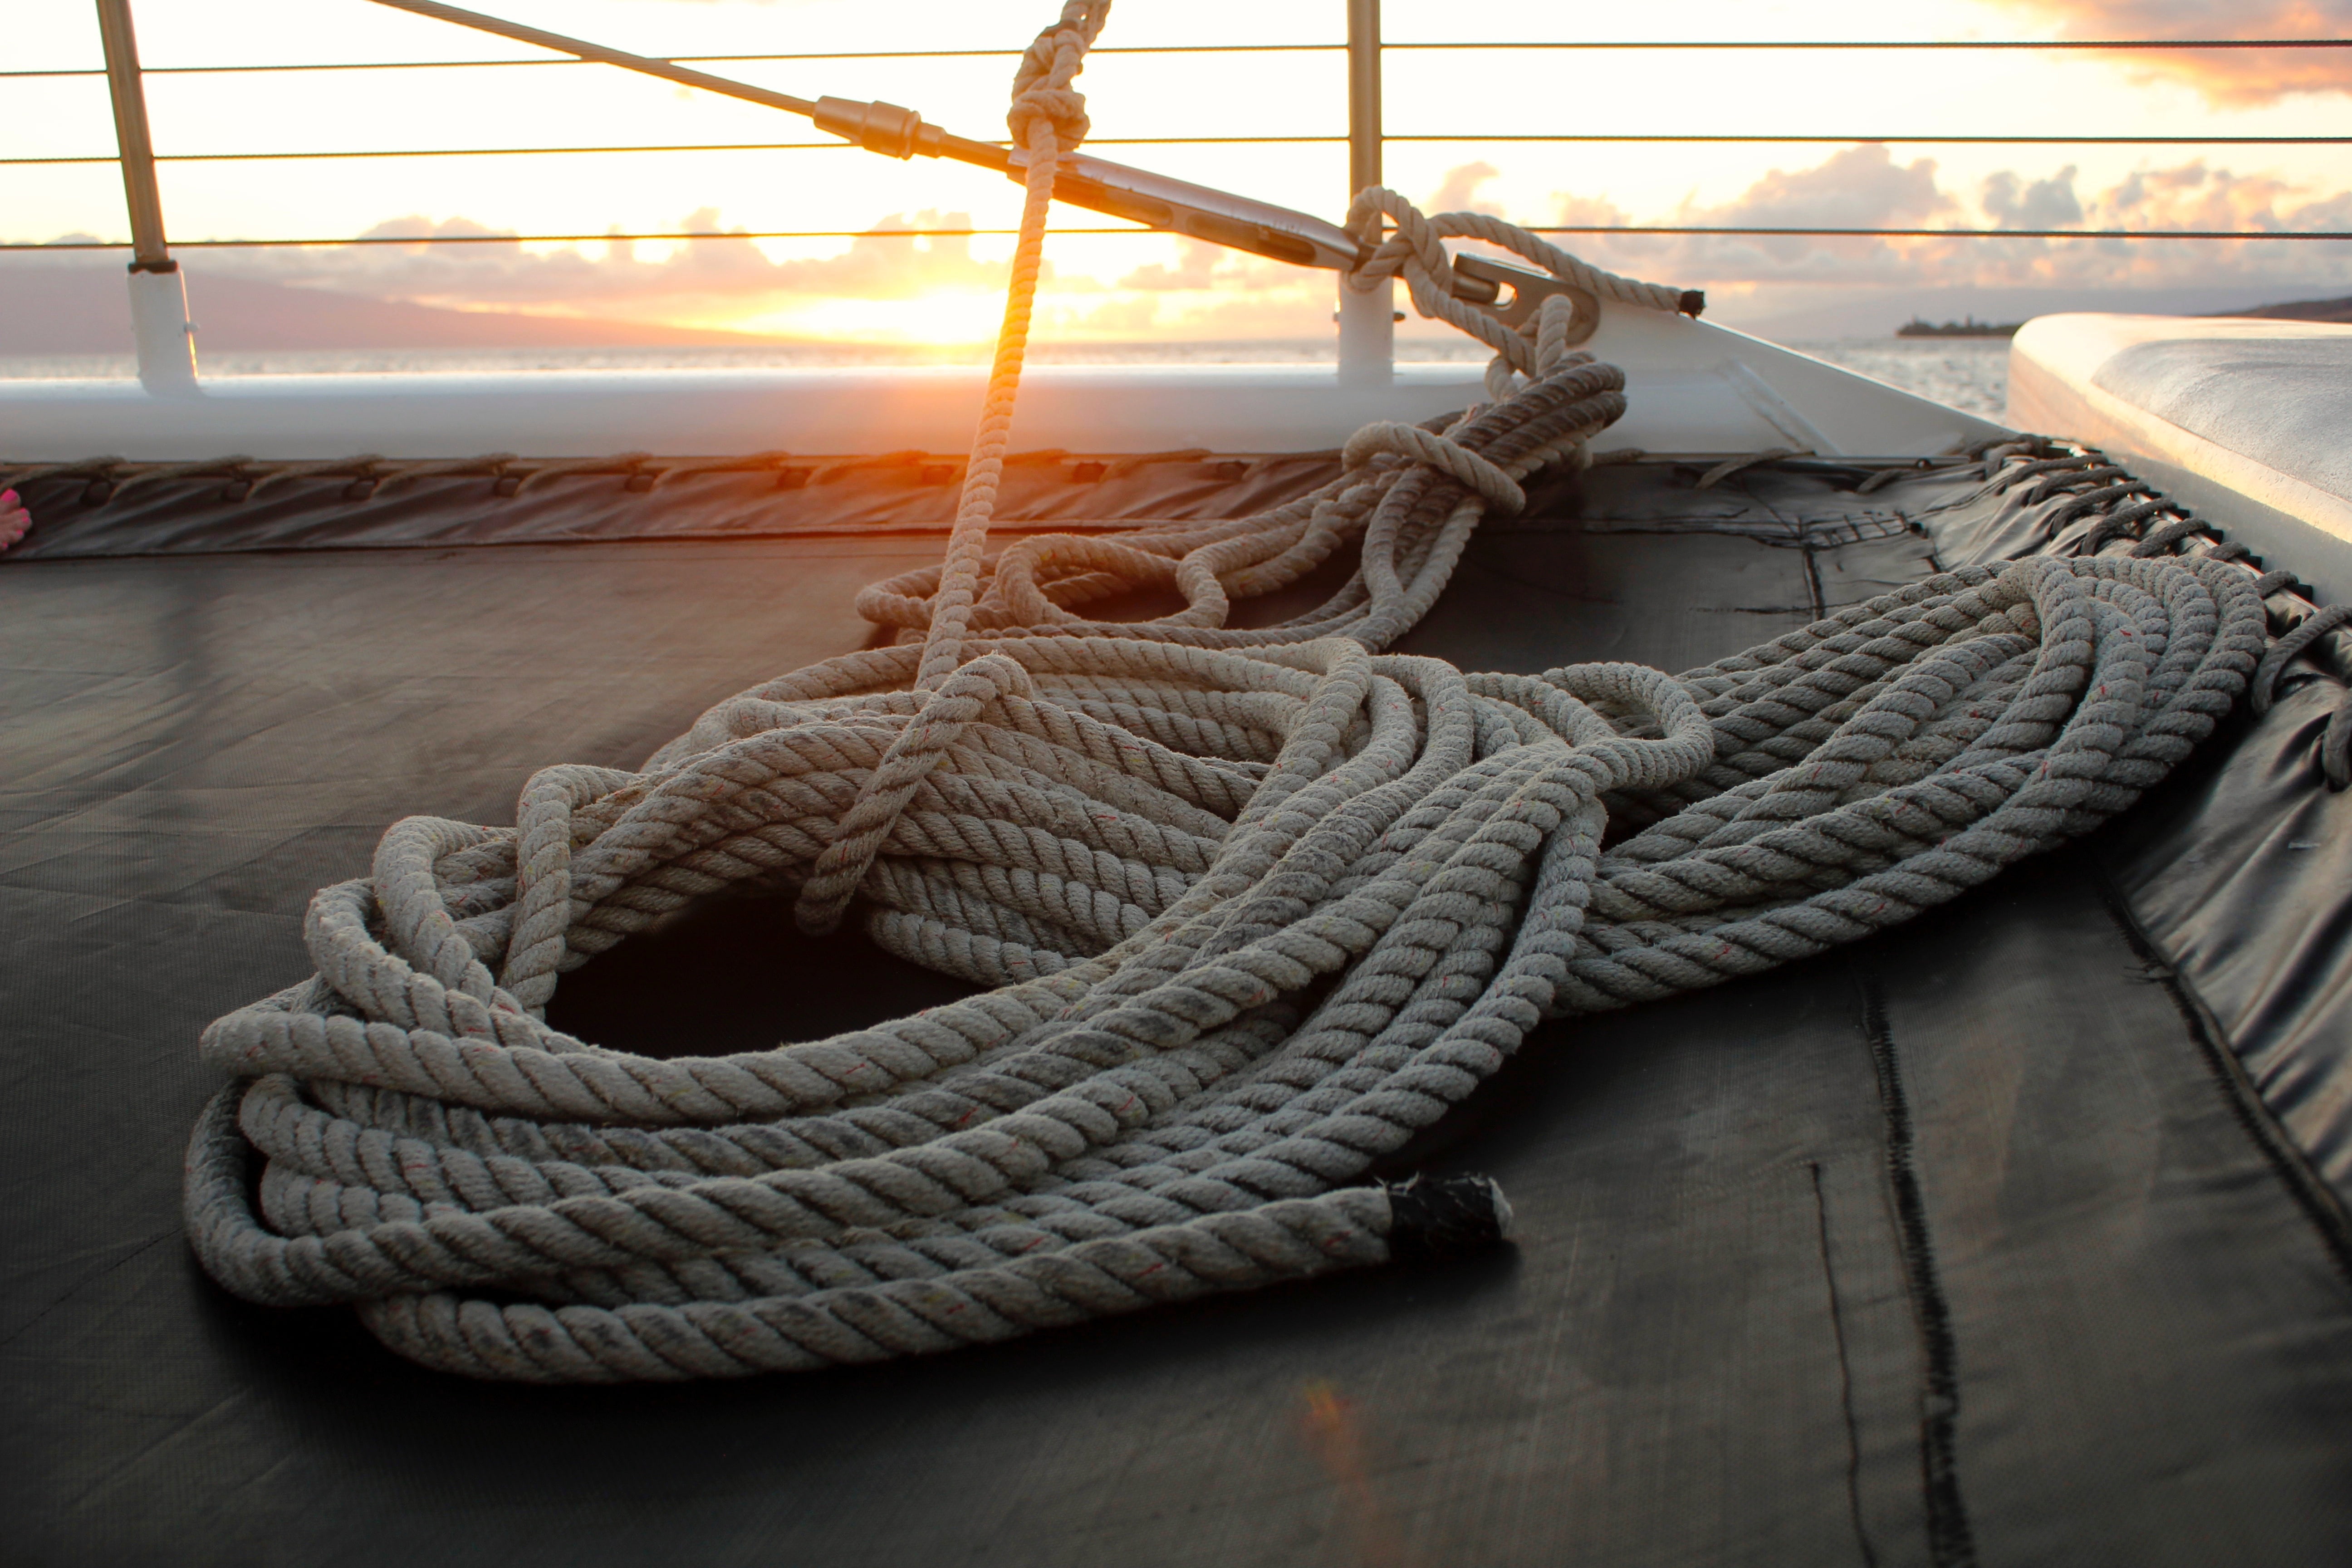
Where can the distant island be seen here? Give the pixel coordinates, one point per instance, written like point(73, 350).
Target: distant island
point(1971, 328)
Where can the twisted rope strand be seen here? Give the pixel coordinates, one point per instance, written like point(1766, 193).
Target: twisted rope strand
point(1253, 906)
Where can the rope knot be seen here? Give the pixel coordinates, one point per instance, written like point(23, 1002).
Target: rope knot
point(1502, 493)
point(1060, 109)
point(1042, 94)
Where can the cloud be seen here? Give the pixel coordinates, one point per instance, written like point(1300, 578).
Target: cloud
point(2225, 76)
point(2012, 203)
point(878, 287)
point(726, 276)
point(1864, 188)
point(1208, 291)
point(1855, 187)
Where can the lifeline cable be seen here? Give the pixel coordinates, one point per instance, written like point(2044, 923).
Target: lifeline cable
point(1257, 904)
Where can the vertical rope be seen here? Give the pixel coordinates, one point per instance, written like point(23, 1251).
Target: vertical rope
point(1048, 116)
point(1047, 119)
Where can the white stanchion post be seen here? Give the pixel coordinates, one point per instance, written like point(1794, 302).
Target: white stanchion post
point(160, 330)
point(1368, 319)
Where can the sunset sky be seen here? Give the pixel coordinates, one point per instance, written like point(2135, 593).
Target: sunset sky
point(1152, 288)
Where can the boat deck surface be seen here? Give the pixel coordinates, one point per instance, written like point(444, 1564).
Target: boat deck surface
point(2012, 1236)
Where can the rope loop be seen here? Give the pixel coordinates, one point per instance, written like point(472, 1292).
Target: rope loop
point(2335, 739)
point(1503, 495)
point(2281, 653)
point(1415, 251)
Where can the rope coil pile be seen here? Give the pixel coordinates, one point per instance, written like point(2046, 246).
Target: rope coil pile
point(1256, 906)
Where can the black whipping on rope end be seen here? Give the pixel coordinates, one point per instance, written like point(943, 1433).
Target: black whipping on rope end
point(1432, 1221)
point(1694, 301)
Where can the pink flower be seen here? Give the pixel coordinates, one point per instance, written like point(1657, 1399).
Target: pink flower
point(13, 518)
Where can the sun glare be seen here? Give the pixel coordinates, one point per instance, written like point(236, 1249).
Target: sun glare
point(942, 317)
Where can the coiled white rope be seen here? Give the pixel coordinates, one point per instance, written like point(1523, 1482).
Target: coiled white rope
point(1256, 905)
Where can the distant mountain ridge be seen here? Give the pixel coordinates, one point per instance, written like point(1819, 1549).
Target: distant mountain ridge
point(87, 310)
point(1788, 314)
point(2300, 311)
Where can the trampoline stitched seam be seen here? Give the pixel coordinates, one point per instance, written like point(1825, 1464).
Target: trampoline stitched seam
point(1950, 1544)
point(1846, 1369)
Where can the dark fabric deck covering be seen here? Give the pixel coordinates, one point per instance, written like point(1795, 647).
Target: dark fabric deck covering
point(1970, 1243)
point(895, 492)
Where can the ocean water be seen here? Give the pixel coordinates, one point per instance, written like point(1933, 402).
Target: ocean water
point(1969, 373)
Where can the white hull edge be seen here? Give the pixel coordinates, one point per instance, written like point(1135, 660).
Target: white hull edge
point(1693, 387)
point(2246, 409)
